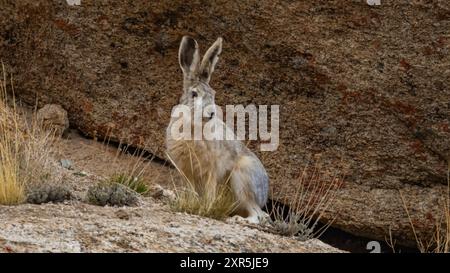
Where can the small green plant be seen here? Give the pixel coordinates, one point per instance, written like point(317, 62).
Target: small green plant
point(136, 183)
point(292, 225)
point(113, 194)
point(133, 167)
point(48, 193)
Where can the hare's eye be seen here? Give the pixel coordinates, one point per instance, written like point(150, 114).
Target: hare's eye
point(194, 94)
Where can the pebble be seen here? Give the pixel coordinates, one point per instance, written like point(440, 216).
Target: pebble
point(66, 163)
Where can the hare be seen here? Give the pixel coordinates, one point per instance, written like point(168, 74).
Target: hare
point(221, 161)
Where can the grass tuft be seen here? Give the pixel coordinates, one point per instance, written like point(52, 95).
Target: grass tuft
point(136, 183)
point(25, 149)
point(189, 201)
point(299, 213)
point(205, 198)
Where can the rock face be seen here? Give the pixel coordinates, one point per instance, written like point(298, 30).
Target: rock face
point(365, 87)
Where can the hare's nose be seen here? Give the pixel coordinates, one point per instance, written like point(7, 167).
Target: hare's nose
point(211, 115)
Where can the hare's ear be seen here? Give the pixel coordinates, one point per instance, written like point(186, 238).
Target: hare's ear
point(188, 56)
point(209, 60)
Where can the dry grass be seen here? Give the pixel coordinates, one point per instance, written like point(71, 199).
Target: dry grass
point(440, 239)
point(134, 174)
point(189, 201)
point(217, 203)
point(391, 242)
point(25, 149)
point(300, 214)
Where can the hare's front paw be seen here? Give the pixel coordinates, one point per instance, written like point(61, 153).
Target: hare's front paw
point(252, 220)
point(263, 218)
point(237, 219)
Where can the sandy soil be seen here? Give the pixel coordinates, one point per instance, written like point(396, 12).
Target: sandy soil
point(105, 159)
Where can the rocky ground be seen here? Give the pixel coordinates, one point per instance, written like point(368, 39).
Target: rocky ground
point(75, 226)
point(152, 227)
